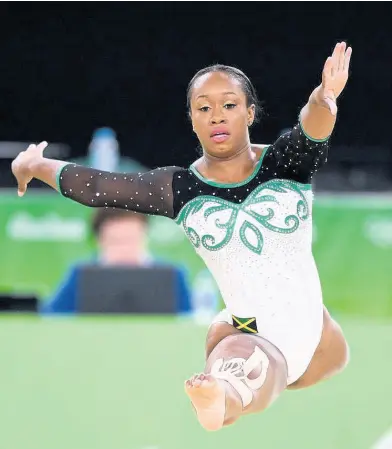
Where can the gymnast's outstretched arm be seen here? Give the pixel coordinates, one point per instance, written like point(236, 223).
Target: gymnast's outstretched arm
point(301, 152)
point(149, 193)
point(318, 116)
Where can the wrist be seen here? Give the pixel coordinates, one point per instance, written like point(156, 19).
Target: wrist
point(33, 167)
point(318, 98)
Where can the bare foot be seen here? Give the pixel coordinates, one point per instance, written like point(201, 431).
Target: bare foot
point(208, 396)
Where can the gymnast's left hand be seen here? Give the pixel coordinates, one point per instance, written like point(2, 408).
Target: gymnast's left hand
point(22, 165)
point(335, 75)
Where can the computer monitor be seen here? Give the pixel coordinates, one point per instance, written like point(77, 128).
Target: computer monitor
point(127, 290)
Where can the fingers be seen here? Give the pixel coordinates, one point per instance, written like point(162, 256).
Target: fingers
point(347, 59)
point(341, 58)
point(40, 147)
point(327, 71)
point(20, 165)
point(342, 52)
point(335, 59)
point(22, 189)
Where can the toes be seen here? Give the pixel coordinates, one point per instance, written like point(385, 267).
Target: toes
point(200, 379)
point(209, 377)
point(194, 378)
point(197, 380)
point(190, 382)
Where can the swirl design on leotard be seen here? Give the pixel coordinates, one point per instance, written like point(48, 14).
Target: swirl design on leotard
point(247, 228)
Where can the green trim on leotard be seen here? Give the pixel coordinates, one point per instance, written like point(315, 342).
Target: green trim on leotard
point(58, 174)
point(234, 184)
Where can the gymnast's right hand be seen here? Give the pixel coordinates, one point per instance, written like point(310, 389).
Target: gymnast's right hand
point(22, 165)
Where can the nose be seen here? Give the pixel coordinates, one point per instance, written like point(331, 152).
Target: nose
point(217, 117)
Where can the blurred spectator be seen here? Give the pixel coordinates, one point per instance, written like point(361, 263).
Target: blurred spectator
point(122, 240)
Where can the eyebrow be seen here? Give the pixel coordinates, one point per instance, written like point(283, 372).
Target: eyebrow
point(224, 93)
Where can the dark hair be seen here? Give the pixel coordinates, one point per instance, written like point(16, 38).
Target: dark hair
point(104, 215)
point(247, 86)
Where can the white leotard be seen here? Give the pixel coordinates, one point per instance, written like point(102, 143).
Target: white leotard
point(255, 236)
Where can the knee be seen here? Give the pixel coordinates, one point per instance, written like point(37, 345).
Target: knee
point(235, 342)
point(244, 345)
point(252, 368)
point(340, 348)
point(217, 333)
point(344, 358)
point(340, 356)
point(337, 348)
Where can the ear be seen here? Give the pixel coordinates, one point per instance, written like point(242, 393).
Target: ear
point(251, 114)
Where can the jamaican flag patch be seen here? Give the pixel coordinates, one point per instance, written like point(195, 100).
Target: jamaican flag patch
point(248, 325)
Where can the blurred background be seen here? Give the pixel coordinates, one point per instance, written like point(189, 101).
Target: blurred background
point(105, 84)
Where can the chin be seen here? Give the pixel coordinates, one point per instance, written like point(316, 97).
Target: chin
point(121, 262)
point(220, 150)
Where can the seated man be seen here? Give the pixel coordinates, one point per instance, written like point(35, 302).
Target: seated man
point(122, 240)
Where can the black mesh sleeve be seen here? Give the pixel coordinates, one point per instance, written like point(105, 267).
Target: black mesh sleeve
point(148, 193)
point(297, 157)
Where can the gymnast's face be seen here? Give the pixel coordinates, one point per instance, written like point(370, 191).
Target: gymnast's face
point(220, 115)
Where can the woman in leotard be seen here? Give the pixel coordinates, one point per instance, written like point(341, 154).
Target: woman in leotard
point(247, 210)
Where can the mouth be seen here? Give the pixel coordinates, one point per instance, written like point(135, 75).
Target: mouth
point(220, 135)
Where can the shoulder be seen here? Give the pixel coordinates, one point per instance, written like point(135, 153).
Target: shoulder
point(260, 147)
point(77, 267)
point(169, 169)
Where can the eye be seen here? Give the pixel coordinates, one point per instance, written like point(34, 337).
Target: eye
point(204, 109)
point(230, 105)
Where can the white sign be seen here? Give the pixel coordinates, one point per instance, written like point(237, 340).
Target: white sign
point(49, 227)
